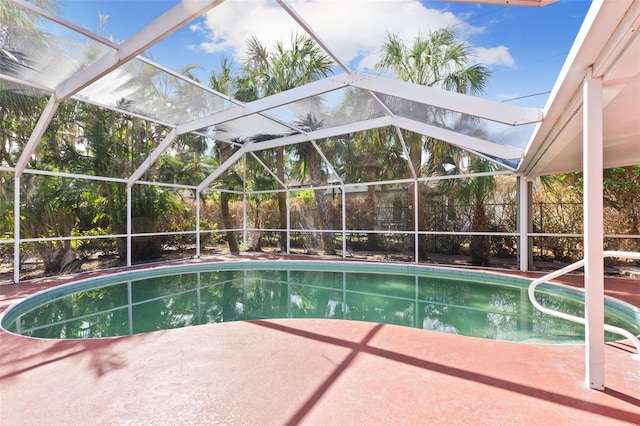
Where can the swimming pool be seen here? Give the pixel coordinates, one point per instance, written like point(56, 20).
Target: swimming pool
point(478, 304)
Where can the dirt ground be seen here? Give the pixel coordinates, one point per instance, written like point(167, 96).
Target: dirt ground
point(32, 267)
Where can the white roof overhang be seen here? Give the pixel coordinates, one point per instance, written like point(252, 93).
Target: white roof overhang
point(609, 41)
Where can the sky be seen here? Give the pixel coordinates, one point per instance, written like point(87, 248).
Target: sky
point(524, 47)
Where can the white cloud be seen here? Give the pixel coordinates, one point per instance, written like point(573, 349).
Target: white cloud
point(352, 29)
point(499, 55)
point(198, 28)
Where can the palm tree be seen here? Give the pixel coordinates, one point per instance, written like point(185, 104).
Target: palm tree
point(435, 60)
point(225, 82)
point(224, 152)
point(366, 156)
point(371, 156)
point(310, 164)
point(474, 191)
point(259, 180)
point(269, 72)
point(110, 137)
point(20, 37)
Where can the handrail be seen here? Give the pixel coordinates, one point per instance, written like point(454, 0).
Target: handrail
point(573, 318)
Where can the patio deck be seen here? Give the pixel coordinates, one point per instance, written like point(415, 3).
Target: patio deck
point(315, 372)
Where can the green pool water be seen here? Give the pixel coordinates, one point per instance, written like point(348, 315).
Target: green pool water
point(446, 300)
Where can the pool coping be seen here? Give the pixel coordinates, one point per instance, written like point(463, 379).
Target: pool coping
point(308, 372)
point(304, 262)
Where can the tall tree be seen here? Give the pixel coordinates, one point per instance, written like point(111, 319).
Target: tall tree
point(474, 191)
point(371, 156)
point(367, 156)
point(310, 165)
point(437, 59)
point(268, 72)
point(225, 82)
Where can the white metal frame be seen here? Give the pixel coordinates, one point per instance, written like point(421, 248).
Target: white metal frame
point(593, 231)
point(612, 329)
point(580, 86)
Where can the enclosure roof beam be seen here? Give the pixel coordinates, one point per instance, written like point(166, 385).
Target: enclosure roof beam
point(314, 35)
point(174, 19)
point(332, 169)
point(299, 93)
point(268, 170)
point(471, 105)
point(309, 29)
point(478, 107)
point(461, 140)
point(44, 120)
point(469, 143)
point(406, 152)
point(31, 7)
point(222, 168)
point(152, 158)
point(319, 134)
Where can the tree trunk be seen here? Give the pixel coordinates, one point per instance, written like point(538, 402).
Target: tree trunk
point(226, 220)
point(282, 199)
point(373, 240)
point(415, 154)
point(315, 174)
point(328, 245)
point(224, 200)
point(256, 240)
point(480, 246)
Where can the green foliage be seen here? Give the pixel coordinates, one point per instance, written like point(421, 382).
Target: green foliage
point(437, 59)
point(622, 186)
point(306, 195)
point(84, 139)
point(270, 71)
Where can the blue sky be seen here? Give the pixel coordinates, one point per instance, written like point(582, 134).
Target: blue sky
point(525, 47)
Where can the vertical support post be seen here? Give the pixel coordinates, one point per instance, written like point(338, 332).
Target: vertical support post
point(524, 219)
point(416, 220)
point(244, 201)
point(244, 220)
point(288, 221)
point(593, 230)
point(16, 229)
point(530, 222)
point(27, 152)
point(129, 227)
point(344, 223)
point(198, 250)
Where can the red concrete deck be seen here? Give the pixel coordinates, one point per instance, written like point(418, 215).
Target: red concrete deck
point(308, 372)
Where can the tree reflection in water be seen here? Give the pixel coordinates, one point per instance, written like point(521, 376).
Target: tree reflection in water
point(470, 305)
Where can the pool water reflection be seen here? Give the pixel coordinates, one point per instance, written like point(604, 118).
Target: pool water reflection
point(451, 301)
